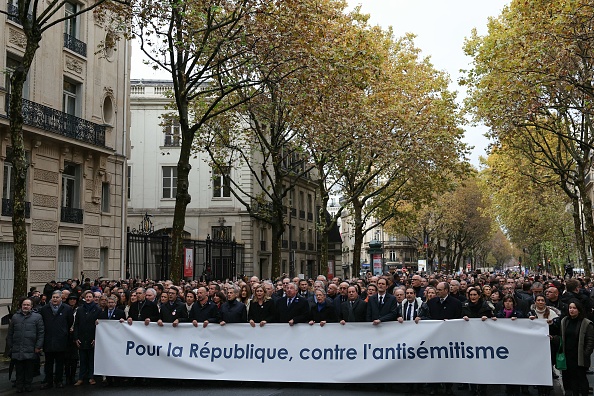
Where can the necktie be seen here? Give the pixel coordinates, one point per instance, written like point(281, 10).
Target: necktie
point(441, 300)
point(110, 313)
point(408, 312)
point(289, 301)
point(381, 299)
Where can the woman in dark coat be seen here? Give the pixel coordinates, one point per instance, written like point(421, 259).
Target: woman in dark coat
point(261, 308)
point(577, 336)
point(322, 312)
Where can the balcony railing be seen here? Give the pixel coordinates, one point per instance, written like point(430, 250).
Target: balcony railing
point(13, 13)
point(8, 208)
point(74, 44)
point(46, 118)
point(71, 215)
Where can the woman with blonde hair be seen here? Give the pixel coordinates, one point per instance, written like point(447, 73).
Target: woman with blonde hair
point(261, 309)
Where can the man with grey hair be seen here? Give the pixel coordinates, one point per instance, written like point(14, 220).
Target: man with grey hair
point(143, 310)
point(455, 291)
point(291, 308)
point(58, 318)
point(151, 294)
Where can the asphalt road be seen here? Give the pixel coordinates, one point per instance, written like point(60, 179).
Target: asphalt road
point(215, 388)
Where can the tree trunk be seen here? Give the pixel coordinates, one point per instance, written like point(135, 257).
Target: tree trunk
point(357, 210)
point(278, 230)
point(19, 163)
point(589, 220)
point(579, 236)
point(182, 199)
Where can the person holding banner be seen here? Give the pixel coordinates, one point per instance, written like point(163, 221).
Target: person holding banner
point(291, 308)
point(261, 308)
point(577, 340)
point(323, 312)
point(382, 307)
point(443, 307)
point(233, 311)
point(354, 309)
point(204, 310)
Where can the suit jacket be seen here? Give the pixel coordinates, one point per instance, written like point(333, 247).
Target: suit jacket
point(338, 302)
point(450, 309)
point(327, 313)
point(116, 315)
point(386, 312)
point(169, 313)
point(416, 304)
point(359, 311)
point(298, 310)
point(57, 327)
point(201, 313)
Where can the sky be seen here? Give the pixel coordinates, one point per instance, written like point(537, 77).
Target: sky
point(440, 26)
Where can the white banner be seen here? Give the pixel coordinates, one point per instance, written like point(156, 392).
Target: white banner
point(490, 352)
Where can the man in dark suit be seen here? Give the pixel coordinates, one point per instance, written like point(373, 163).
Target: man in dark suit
point(354, 309)
point(203, 311)
point(341, 297)
point(172, 310)
point(444, 307)
point(292, 309)
point(382, 307)
point(57, 320)
point(112, 312)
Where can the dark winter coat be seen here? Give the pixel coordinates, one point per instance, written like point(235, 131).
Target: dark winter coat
point(57, 327)
point(25, 334)
point(84, 325)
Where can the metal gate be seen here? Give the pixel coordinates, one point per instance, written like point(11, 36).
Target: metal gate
point(149, 257)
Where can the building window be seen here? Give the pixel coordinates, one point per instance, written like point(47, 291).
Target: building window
point(393, 255)
point(71, 24)
point(70, 102)
point(103, 262)
point(105, 197)
point(221, 182)
point(71, 185)
point(12, 62)
point(169, 182)
point(172, 131)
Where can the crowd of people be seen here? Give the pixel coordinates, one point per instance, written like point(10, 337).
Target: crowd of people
point(60, 321)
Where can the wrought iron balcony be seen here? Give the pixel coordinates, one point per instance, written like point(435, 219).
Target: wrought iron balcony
point(71, 215)
point(8, 206)
point(46, 118)
point(13, 13)
point(74, 44)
